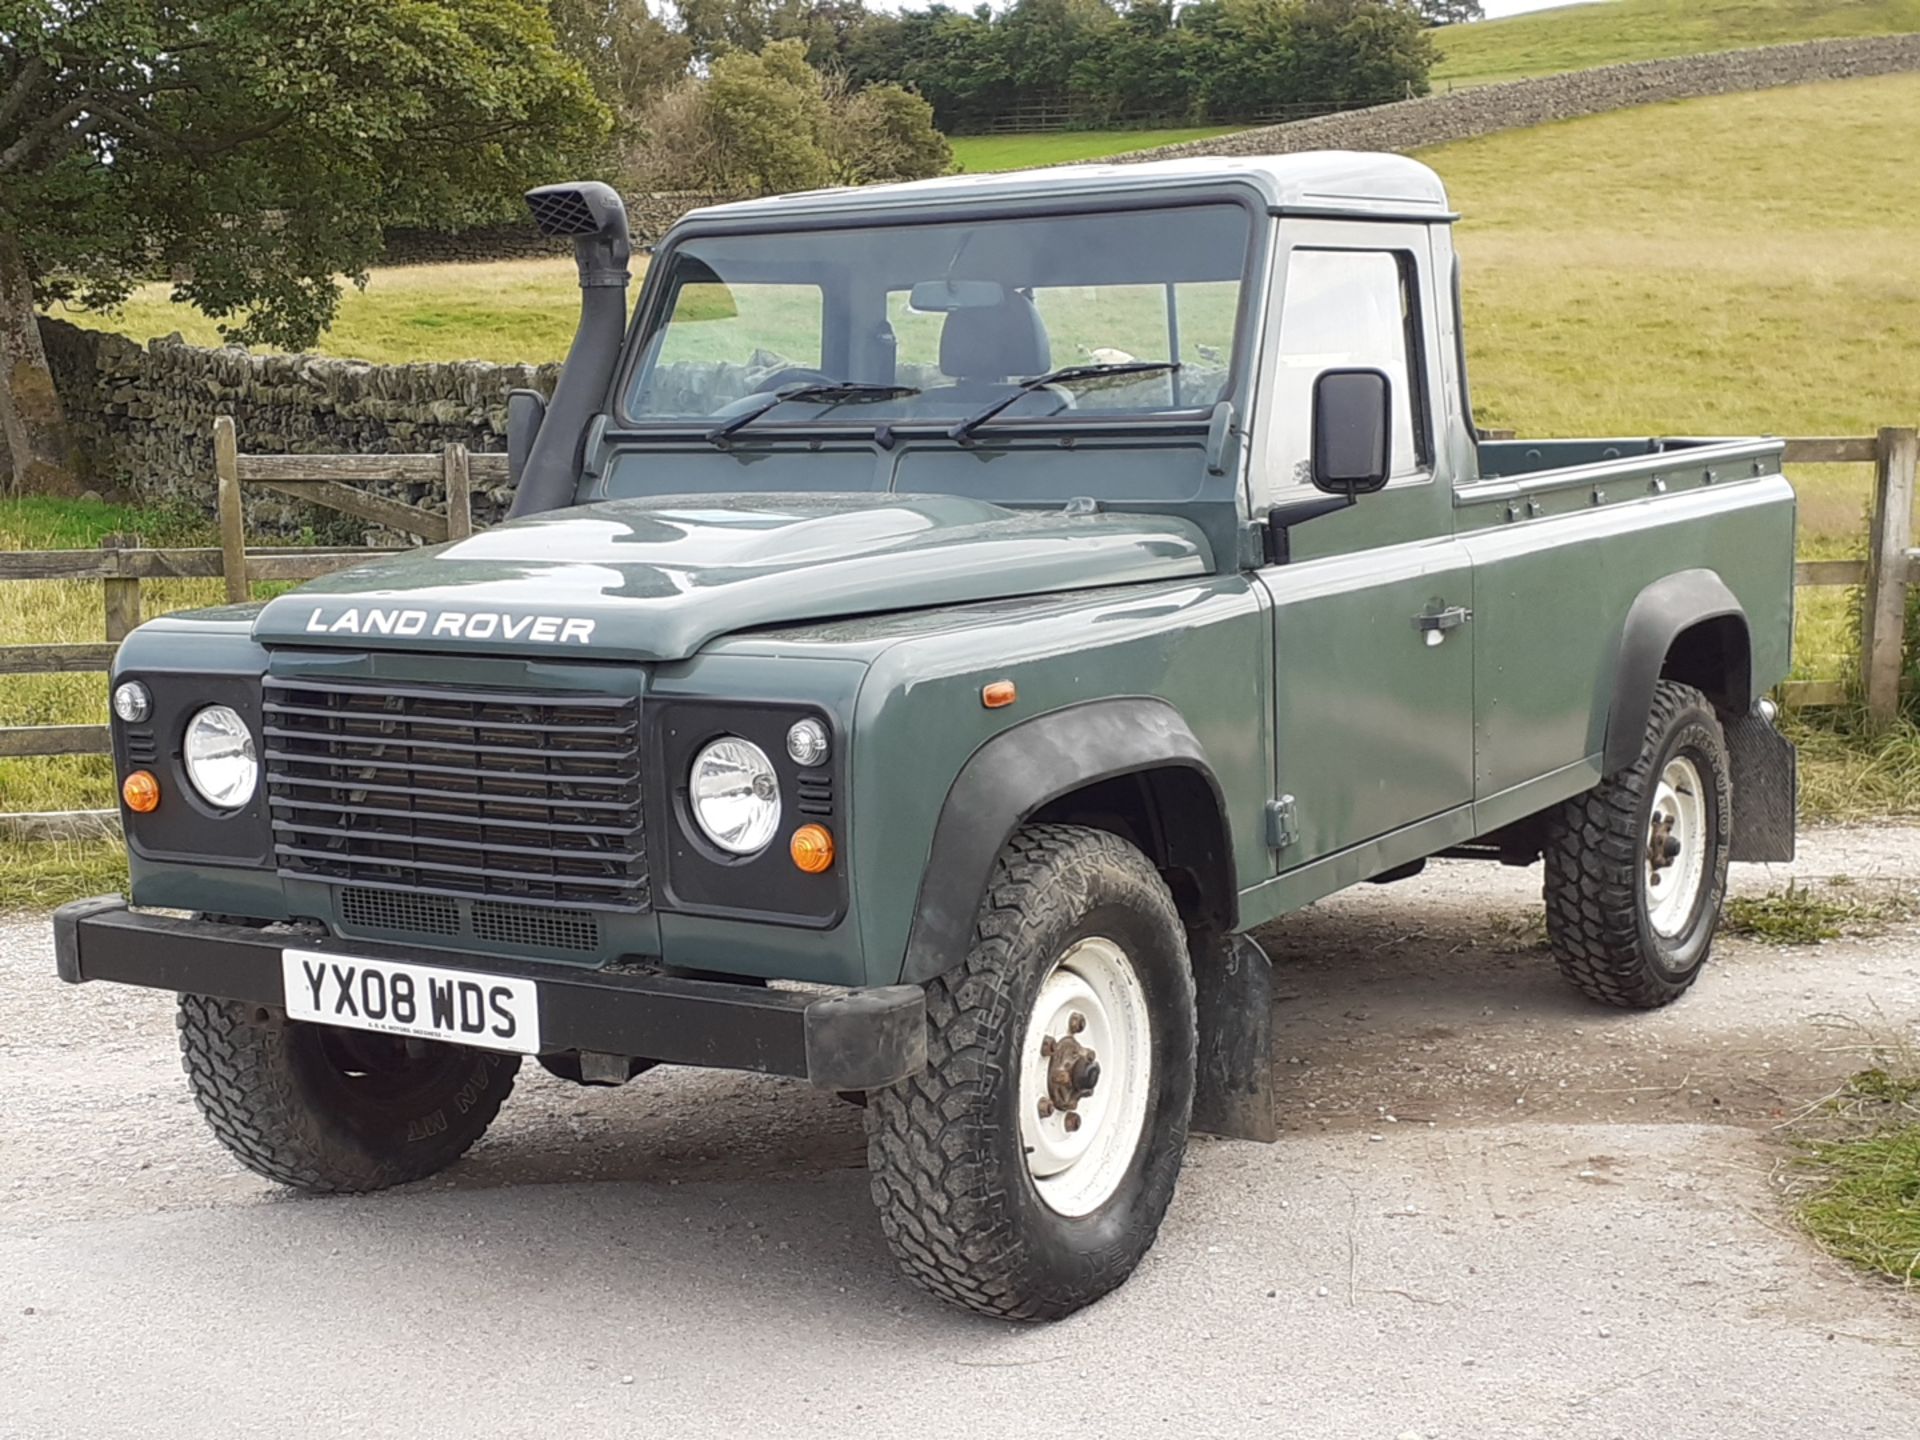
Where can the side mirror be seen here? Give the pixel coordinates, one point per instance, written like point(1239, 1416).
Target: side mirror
point(525, 410)
point(1352, 431)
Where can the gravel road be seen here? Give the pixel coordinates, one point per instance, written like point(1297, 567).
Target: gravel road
point(1498, 1211)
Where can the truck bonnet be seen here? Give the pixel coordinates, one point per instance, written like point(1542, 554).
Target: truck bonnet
point(657, 578)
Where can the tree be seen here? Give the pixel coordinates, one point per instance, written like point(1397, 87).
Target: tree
point(717, 27)
point(1155, 60)
point(1450, 12)
point(629, 52)
point(768, 116)
point(254, 149)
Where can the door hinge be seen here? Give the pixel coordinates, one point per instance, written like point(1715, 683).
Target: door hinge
point(1283, 823)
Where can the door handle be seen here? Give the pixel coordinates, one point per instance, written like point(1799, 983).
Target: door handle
point(1435, 624)
point(1451, 618)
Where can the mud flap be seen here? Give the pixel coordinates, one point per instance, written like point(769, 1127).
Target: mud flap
point(1766, 787)
point(1233, 1084)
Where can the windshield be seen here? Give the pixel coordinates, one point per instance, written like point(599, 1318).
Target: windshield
point(1139, 305)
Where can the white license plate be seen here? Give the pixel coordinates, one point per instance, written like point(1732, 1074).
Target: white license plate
point(494, 1012)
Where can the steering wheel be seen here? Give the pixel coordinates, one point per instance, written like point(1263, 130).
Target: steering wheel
point(792, 375)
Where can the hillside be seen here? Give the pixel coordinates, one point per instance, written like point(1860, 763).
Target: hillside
point(1715, 267)
point(1579, 37)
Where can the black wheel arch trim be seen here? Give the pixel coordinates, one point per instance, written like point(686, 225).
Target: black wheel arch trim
point(1660, 615)
point(1018, 772)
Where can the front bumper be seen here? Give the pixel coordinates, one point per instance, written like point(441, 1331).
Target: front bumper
point(851, 1040)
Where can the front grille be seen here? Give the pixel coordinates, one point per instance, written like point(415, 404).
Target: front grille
point(544, 929)
point(397, 910)
point(518, 797)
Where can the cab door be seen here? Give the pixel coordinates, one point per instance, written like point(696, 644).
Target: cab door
point(1373, 660)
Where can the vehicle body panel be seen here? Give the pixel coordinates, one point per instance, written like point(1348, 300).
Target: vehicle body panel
point(657, 579)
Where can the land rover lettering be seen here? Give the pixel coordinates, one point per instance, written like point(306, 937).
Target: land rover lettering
point(457, 625)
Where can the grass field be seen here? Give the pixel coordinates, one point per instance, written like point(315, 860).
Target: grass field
point(502, 310)
point(1684, 269)
point(1579, 37)
point(1724, 266)
point(975, 153)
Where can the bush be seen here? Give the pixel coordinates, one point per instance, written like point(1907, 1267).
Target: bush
point(765, 123)
point(884, 132)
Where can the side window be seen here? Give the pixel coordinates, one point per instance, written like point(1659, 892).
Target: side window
point(724, 341)
point(1345, 309)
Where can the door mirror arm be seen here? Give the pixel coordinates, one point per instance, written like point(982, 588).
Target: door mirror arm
point(1282, 518)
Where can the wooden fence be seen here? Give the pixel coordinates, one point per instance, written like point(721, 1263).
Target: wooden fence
point(122, 563)
point(1891, 567)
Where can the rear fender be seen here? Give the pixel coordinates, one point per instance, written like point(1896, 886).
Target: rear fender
point(1660, 615)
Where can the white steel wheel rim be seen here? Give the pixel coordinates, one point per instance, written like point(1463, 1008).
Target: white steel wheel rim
point(1678, 816)
point(1076, 1171)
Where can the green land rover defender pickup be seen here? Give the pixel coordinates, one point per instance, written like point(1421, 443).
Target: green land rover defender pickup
point(934, 629)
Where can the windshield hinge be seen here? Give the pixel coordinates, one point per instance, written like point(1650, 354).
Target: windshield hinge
point(1223, 440)
point(595, 451)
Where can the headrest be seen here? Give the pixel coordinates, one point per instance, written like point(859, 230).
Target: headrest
point(995, 342)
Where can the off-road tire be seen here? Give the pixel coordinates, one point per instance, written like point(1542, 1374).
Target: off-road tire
point(950, 1178)
point(262, 1082)
point(1598, 915)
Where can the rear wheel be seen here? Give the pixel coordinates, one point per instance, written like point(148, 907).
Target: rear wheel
point(1025, 1172)
point(1637, 867)
point(331, 1110)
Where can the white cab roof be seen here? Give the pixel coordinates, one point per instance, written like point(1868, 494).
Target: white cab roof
point(1319, 182)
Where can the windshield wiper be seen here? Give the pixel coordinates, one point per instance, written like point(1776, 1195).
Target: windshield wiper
point(966, 427)
point(832, 392)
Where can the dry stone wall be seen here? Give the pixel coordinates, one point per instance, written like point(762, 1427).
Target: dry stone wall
point(143, 414)
point(1464, 114)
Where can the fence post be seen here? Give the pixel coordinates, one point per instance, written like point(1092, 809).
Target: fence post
point(1884, 616)
point(459, 477)
point(122, 591)
point(233, 523)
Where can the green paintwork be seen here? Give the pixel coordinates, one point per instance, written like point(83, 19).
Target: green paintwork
point(885, 584)
point(659, 578)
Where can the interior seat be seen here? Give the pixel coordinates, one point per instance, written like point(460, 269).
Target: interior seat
point(983, 348)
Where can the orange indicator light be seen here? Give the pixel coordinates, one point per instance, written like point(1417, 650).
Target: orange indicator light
point(141, 792)
point(812, 848)
point(998, 694)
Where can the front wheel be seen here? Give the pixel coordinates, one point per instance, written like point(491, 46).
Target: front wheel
point(1025, 1172)
point(330, 1110)
point(1637, 866)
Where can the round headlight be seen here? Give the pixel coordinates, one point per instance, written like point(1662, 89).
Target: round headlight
point(131, 702)
point(735, 795)
point(221, 760)
point(807, 742)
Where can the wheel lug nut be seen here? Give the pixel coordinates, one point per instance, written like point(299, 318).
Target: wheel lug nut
point(1076, 1022)
point(1046, 1107)
point(1071, 1120)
